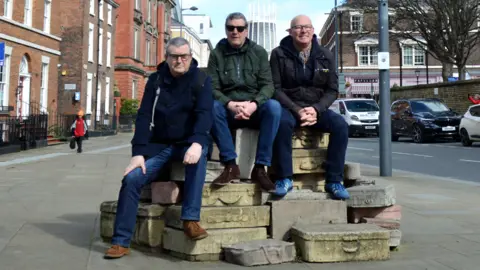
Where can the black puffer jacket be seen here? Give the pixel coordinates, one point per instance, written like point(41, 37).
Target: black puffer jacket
point(297, 85)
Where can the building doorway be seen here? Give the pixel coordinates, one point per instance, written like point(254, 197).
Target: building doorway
point(23, 89)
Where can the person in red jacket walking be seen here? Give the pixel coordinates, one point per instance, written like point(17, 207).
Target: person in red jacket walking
point(79, 130)
point(475, 99)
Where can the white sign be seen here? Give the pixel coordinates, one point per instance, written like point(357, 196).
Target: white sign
point(435, 91)
point(383, 60)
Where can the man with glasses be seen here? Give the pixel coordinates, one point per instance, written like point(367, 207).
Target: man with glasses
point(173, 122)
point(243, 91)
point(306, 84)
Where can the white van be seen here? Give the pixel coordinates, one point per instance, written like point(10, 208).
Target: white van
point(361, 114)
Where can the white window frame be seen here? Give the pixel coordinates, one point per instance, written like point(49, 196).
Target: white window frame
point(134, 88)
point(47, 15)
point(366, 42)
point(148, 55)
point(149, 11)
point(8, 8)
point(100, 47)
point(136, 38)
point(137, 5)
point(92, 7)
point(359, 15)
point(109, 49)
point(416, 49)
point(99, 101)
point(100, 9)
point(5, 81)
point(27, 13)
point(109, 14)
point(107, 95)
point(91, 30)
point(44, 83)
point(88, 107)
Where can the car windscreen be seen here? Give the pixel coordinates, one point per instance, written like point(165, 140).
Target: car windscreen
point(361, 105)
point(430, 106)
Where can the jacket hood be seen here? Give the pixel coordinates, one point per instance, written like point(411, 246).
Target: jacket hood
point(287, 45)
point(225, 47)
point(163, 66)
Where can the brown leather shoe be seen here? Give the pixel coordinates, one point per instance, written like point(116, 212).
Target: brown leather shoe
point(230, 173)
point(193, 230)
point(116, 251)
point(260, 176)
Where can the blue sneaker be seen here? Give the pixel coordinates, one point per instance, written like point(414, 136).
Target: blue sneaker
point(283, 186)
point(337, 190)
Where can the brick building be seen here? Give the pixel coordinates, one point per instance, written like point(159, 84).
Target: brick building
point(30, 31)
point(86, 64)
point(409, 63)
point(144, 29)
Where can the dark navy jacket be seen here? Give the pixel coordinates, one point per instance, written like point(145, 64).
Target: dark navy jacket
point(182, 115)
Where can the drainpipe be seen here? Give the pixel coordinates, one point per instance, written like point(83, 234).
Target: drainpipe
point(99, 24)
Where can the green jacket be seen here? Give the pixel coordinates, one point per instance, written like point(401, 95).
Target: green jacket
point(240, 74)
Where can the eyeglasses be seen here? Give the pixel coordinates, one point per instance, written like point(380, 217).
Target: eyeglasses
point(301, 27)
point(231, 28)
point(175, 57)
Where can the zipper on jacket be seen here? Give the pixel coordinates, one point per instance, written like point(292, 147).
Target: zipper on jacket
point(237, 66)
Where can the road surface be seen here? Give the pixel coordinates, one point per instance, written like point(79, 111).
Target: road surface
point(444, 159)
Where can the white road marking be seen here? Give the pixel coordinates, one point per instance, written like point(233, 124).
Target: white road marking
point(470, 160)
point(108, 149)
point(362, 149)
point(410, 154)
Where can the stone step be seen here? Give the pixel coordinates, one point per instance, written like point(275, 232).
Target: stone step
point(241, 194)
point(341, 242)
point(210, 248)
point(214, 169)
point(371, 196)
point(224, 217)
point(260, 252)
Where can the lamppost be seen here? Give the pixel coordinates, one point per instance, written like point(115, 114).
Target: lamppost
point(417, 73)
point(192, 8)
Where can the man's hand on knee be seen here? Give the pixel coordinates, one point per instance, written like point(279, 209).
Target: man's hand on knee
point(192, 156)
point(136, 162)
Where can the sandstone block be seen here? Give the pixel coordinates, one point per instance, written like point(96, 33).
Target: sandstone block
point(308, 160)
point(352, 171)
point(215, 153)
point(341, 242)
point(165, 192)
point(395, 238)
point(214, 169)
point(232, 195)
point(384, 223)
point(286, 213)
point(310, 181)
point(393, 212)
point(146, 193)
point(306, 138)
point(362, 181)
point(371, 196)
point(209, 248)
point(148, 229)
point(224, 217)
point(260, 252)
point(304, 194)
point(246, 148)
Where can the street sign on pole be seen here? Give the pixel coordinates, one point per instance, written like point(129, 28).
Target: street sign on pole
point(341, 83)
point(384, 85)
point(2, 53)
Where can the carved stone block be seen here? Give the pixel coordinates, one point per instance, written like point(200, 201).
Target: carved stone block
point(232, 195)
point(307, 138)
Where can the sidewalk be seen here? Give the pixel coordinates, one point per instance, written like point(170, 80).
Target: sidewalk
point(49, 212)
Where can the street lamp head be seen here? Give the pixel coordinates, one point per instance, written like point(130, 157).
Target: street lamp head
point(417, 72)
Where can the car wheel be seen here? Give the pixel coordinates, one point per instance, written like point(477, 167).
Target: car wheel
point(465, 138)
point(394, 137)
point(417, 134)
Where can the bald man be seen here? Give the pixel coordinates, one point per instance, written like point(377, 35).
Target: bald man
point(306, 84)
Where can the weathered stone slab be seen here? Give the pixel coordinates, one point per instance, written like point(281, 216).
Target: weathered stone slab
point(371, 196)
point(393, 212)
point(224, 217)
point(311, 181)
point(307, 138)
point(304, 194)
point(208, 248)
point(362, 181)
point(215, 153)
point(232, 195)
point(214, 169)
point(246, 148)
point(148, 228)
point(395, 238)
point(165, 193)
point(341, 242)
point(286, 213)
point(384, 223)
point(352, 171)
point(308, 160)
point(146, 193)
point(260, 252)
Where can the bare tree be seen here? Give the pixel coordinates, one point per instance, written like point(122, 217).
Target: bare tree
point(449, 29)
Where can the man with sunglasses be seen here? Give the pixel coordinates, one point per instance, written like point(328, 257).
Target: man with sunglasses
point(243, 91)
point(173, 122)
point(306, 85)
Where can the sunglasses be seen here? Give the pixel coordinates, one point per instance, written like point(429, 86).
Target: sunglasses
point(231, 28)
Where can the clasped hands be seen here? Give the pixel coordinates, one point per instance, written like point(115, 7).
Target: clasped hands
point(308, 116)
point(242, 109)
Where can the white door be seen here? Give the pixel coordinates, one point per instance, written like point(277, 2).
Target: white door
point(23, 94)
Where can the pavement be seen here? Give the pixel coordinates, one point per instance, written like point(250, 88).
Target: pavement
point(49, 212)
point(442, 158)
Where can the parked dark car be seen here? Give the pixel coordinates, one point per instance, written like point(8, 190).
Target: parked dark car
point(423, 120)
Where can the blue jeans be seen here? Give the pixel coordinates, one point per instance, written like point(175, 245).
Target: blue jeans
point(329, 122)
point(134, 181)
point(266, 119)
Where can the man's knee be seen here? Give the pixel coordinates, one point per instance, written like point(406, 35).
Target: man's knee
point(132, 178)
point(273, 108)
point(339, 125)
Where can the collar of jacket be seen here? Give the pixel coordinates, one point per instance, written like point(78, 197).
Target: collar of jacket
point(227, 49)
point(163, 69)
point(287, 46)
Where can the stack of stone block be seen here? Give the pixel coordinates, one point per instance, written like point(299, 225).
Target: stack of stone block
point(376, 204)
